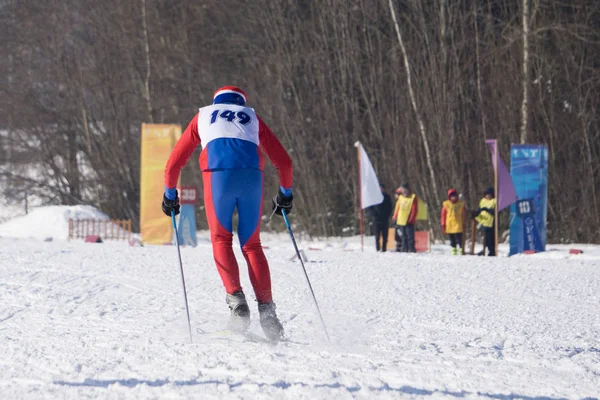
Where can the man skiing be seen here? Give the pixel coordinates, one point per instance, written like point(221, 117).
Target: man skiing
point(233, 138)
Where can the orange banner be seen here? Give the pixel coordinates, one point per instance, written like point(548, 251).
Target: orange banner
point(158, 141)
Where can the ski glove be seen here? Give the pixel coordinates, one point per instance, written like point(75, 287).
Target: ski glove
point(282, 202)
point(170, 205)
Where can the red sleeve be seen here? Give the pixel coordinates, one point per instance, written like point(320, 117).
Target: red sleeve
point(276, 153)
point(444, 212)
point(412, 218)
point(182, 152)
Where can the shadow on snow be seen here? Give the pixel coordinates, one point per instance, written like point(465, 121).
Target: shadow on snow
point(98, 383)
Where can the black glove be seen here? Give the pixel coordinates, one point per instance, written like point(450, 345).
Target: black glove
point(475, 213)
point(170, 205)
point(281, 202)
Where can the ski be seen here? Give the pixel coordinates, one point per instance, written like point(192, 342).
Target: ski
point(249, 336)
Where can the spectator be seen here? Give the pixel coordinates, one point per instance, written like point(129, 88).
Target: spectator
point(397, 237)
point(453, 211)
point(485, 216)
point(380, 219)
point(405, 217)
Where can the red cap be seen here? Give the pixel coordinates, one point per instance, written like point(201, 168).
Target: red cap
point(231, 90)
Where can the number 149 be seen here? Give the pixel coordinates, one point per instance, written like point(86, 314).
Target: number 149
point(230, 116)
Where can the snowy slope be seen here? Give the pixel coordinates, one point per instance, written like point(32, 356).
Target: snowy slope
point(48, 222)
point(95, 321)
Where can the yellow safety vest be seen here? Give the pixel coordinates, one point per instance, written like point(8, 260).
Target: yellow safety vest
point(454, 216)
point(403, 207)
point(485, 218)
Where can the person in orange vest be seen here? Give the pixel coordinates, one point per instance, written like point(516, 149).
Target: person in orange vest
point(453, 213)
point(405, 216)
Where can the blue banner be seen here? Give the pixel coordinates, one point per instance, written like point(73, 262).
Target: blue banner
point(529, 172)
point(187, 226)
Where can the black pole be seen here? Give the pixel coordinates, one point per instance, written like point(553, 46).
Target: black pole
point(187, 309)
point(287, 223)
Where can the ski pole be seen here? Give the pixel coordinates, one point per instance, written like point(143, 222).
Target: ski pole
point(289, 228)
point(187, 309)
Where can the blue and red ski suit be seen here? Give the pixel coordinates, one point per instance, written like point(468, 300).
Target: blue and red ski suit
point(233, 139)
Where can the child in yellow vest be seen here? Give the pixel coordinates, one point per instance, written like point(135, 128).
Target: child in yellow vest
point(453, 211)
point(405, 217)
point(485, 216)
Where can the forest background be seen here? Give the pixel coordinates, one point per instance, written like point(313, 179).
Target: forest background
point(421, 83)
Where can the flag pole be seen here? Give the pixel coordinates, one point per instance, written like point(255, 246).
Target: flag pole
point(360, 209)
point(496, 166)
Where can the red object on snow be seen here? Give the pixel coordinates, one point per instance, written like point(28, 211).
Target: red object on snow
point(314, 249)
point(422, 242)
point(93, 239)
point(529, 252)
point(575, 251)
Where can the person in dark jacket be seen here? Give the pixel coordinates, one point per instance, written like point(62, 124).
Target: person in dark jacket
point(380, 219)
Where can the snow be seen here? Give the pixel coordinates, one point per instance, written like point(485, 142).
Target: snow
point(48, 222)
point(81, 321)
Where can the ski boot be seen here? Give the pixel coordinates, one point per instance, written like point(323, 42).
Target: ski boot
point(239, 320)
point(269, 322)
point(454, 251)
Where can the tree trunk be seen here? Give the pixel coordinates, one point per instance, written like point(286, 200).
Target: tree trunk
point(147, 54)
point(413, 101)
point(524, 104)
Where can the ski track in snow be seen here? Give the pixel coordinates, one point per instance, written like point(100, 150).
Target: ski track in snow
point(81, 321)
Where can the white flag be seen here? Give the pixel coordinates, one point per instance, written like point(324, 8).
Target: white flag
point(370, 191)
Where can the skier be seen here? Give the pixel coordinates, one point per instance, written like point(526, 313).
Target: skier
point(233, 138)
point(453, 211)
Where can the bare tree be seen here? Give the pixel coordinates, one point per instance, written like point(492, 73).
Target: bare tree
point(524, 105)
point(420, 84)
point(414, 102)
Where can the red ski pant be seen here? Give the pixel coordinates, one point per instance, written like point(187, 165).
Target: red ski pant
point(224, 191)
